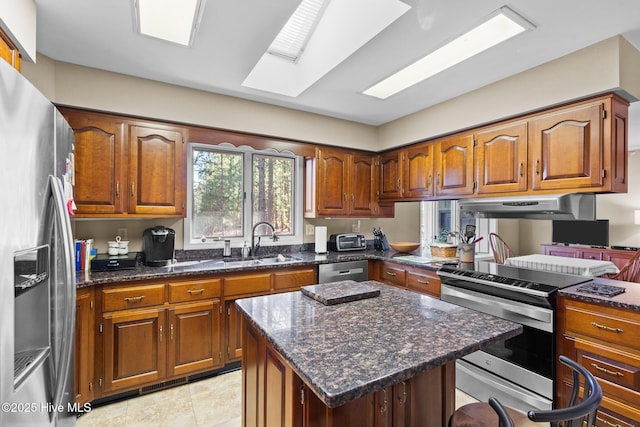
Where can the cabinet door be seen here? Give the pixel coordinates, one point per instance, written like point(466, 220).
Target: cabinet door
point(361, 185)
point(501, 159)
point(418, 171)
point(194, 336)
point(156, 171)
point(390, 176)
point(619, 258)
point(100, 166)
point(232, 332)
point(566, 148)
point(84, 346)
point(9, 52)
point(134, 346)
point(565, 251)
point(332, 174)
point(454, 166)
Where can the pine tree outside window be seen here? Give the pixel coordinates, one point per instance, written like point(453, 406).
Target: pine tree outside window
point(231, 189)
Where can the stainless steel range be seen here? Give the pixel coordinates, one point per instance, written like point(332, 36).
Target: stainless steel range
point(519, 371)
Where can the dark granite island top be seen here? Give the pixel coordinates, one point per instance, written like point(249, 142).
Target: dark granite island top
point(346, 351)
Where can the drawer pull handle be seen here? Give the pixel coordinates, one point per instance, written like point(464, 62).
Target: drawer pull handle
point(172, 332)
point(423, 282)
point(134, 299)
point(602, 420)
point(160, 333)
point(390, 273)
point(607, 371)
point(607, 328)
point(195, 291)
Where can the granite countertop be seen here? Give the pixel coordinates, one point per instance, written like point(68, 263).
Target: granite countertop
point(629, 299)
point(142, 272)
point(346, 351)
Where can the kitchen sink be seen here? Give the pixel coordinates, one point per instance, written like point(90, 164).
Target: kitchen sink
point(203, 263)
point(280, 259)
point(218, 263)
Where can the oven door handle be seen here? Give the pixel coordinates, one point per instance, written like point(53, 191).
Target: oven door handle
point(535, 317)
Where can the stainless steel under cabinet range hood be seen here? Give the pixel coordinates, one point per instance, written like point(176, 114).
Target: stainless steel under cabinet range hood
point(546, 206)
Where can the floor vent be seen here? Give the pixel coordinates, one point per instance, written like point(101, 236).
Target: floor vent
point(160, 386)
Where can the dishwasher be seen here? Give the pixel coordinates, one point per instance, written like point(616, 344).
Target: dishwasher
point(348, 270)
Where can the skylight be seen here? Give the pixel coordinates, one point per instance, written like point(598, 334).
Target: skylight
point(293, 37)
point(344, 27)
point(501, 26)
point(175, 21)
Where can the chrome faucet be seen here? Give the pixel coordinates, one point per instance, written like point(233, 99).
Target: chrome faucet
point(255, 246)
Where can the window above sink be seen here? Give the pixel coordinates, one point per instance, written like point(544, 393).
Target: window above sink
point(230, 189)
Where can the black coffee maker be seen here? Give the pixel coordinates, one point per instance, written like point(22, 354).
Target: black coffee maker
point(158, 243)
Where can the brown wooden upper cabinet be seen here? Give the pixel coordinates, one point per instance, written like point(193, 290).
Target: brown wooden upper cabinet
point(580, 146)
point(577, 147)
point(9, 52)
point(390, 175)
point(417, 177)
point(454, 166)
point(125, 168)
point(442, 168)
point(407, 173)
point(341, 183)
point(501, 158)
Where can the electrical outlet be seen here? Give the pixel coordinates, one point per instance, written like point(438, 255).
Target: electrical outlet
point(309, 229)
point(122, 232)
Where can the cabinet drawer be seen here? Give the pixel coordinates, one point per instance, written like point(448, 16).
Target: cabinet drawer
point(193, 290)
point(393, 275)
point(611, 370)
point(605, 418)
point(294, 278)
point(610, 410)
point(132, 297)
point(423, 283)
point(607, 327)
point(247, 284)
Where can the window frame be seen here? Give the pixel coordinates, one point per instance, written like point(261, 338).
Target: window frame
point(429, 228)
point(247, 211)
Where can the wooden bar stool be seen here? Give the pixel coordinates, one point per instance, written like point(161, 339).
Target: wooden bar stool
point(493, 414)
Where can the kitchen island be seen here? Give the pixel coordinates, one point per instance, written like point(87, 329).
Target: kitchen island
point(384, 360)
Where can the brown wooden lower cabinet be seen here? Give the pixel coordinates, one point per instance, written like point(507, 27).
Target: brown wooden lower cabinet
point(84, 346)
point(274, 395)
point(154, 332)
point(603, 339)
point(194, 337)
point(232, 332)
point(252, 284)
point(134, 345)
point(420, 280)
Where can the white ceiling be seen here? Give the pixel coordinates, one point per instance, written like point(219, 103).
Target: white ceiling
point(235, 33)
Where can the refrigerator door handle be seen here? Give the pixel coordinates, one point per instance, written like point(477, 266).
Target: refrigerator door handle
point(66, 245)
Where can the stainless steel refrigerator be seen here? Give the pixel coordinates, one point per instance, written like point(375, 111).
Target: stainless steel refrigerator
point(37, 278)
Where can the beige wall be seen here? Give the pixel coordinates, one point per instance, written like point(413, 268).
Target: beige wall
point(405, 227)
point(74, 85)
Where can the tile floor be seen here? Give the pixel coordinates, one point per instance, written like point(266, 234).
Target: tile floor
point(213, 402)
